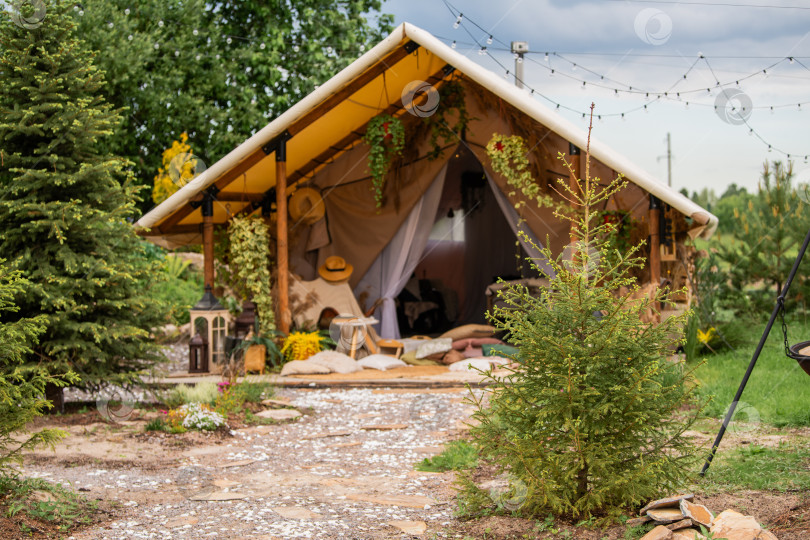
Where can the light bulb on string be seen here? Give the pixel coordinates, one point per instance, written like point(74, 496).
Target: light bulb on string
point(623, 117)
point(769, 148)
point(771, 109)
point(790, 59)
point(583, 85)
point(545, 57)
point(506, 75)
point(573, 67)
point(616, 93)
point(751, 132)
point(482, 51)
point(551, 73)
point(458, 20)
point(489, 40)
point(645, 109)
point(453, 45)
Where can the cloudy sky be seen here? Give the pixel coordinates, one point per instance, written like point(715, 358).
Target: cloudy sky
point(649, 45)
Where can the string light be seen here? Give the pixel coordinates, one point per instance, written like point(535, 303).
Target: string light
point(489, 40)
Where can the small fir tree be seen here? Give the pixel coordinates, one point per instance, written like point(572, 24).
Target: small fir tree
point(591, 420)
point(65, 207)
point(21, 387)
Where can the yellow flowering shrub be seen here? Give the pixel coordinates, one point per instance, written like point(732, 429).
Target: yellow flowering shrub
point(175, 172)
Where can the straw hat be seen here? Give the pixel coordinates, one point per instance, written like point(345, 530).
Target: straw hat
point(306, 205)
point(335, 268)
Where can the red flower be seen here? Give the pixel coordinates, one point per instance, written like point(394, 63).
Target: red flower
point(385, 126)
point(499, 146)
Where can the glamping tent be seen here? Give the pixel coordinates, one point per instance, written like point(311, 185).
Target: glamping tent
point(447, 225)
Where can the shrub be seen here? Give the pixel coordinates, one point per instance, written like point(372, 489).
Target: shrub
point(457, 455)
point(200, 417)
point(202, 392)
point(589, 422)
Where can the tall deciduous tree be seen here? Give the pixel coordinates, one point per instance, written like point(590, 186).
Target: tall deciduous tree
point(65, 206)
point(218, 71)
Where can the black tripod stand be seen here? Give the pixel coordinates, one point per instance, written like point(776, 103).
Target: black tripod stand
point(793, 352)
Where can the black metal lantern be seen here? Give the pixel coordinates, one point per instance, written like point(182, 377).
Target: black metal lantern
point(198, 354)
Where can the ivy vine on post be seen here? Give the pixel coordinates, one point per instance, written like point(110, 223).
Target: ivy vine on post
point(250, 253)
point(385, 137)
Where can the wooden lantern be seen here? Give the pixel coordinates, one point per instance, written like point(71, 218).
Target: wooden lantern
point(198, 354)
point(210, 319)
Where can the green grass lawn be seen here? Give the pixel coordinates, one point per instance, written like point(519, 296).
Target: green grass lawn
point(778, 391)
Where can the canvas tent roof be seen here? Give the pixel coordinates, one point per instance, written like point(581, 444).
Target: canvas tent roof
point(330, 122)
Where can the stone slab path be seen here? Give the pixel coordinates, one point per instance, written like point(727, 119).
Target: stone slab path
point(345, 469)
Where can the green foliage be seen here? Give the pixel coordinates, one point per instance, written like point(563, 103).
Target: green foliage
point(450, 119)
point(250, 255)
point(21, 386)
point(777, 389)
point(156, 424)
point(766, 234)
point(255, 392)
point(226, 56)
point(759, 468)
point(65, 206)
point(591, 421)
point(457, 455)
point(201, 392)
point(508, 157)
point(385, 137)
point(22, 501)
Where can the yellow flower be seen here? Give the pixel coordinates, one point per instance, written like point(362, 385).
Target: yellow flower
point(707, 336)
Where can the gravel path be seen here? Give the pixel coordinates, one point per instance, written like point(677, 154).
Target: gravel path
point(343, 470)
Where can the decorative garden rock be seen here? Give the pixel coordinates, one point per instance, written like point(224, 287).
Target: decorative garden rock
point(699, 514)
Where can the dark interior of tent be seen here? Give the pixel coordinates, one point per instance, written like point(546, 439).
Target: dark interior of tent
point(469, 227)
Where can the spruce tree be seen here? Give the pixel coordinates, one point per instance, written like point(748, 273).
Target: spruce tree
point(21, 387)
point(65, 208)
point(592, 419)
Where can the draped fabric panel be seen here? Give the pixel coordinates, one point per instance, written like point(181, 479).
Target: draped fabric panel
point(393, 267)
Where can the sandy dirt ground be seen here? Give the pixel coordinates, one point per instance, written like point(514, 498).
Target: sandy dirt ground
point(345, 469)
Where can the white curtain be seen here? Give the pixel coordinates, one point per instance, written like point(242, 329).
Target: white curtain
point(517, 226)
point(393, 267)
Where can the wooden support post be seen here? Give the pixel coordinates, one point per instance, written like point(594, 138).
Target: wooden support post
point(285, 316)
point(654, 218)
point(208, 240)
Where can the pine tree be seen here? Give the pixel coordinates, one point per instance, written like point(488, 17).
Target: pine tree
point(21, 387)
point(65, 208)
point(591, 420)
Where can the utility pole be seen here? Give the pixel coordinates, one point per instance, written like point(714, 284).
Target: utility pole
point(669, 160)
point(519, 48)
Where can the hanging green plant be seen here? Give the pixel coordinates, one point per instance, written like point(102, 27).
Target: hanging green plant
point(452, 106)
point(508, 157)
point(385, 137)
point(249, 254)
